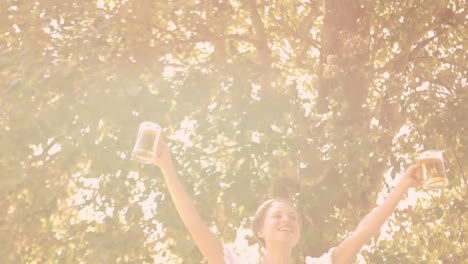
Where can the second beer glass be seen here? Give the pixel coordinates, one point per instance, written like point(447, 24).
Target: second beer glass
point(432, 164)
point(144, 150)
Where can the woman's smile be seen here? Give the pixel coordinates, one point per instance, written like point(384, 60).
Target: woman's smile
point(281, 222)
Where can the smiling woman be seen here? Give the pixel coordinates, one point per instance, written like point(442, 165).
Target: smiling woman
point(276, 211)
point(277, 224)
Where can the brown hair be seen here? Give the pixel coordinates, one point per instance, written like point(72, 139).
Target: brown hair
point(257, 221)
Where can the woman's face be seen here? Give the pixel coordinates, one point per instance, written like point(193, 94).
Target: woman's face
point(281, 225)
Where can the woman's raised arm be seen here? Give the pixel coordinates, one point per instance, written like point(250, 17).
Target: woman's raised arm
point(207, 242)
point(346, 251)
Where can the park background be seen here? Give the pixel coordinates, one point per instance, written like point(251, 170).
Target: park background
point(324, 102)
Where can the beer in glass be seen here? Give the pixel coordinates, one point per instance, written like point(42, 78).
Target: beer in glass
point(144, 150)
point(432, 164)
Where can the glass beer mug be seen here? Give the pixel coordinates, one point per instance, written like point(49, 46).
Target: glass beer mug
point(432, 164)
point(144, 150)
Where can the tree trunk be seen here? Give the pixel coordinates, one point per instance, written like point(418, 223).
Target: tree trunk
point(344, 60)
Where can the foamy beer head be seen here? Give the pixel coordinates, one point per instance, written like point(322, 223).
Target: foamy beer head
point(144, 150)
point(432, 164)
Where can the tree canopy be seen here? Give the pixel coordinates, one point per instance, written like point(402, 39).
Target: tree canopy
point(323, 102)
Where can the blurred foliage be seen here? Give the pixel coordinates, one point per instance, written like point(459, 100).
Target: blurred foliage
point(302, 99)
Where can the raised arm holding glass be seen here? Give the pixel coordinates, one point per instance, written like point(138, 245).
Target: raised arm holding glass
point(277, 224)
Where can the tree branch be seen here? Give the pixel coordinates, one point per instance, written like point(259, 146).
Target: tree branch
point(407, 50)
point(259, 28)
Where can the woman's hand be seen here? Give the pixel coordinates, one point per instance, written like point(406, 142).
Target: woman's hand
point(163, 154)
point(413, 176)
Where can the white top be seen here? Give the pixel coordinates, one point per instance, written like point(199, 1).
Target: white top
point(231, 258)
